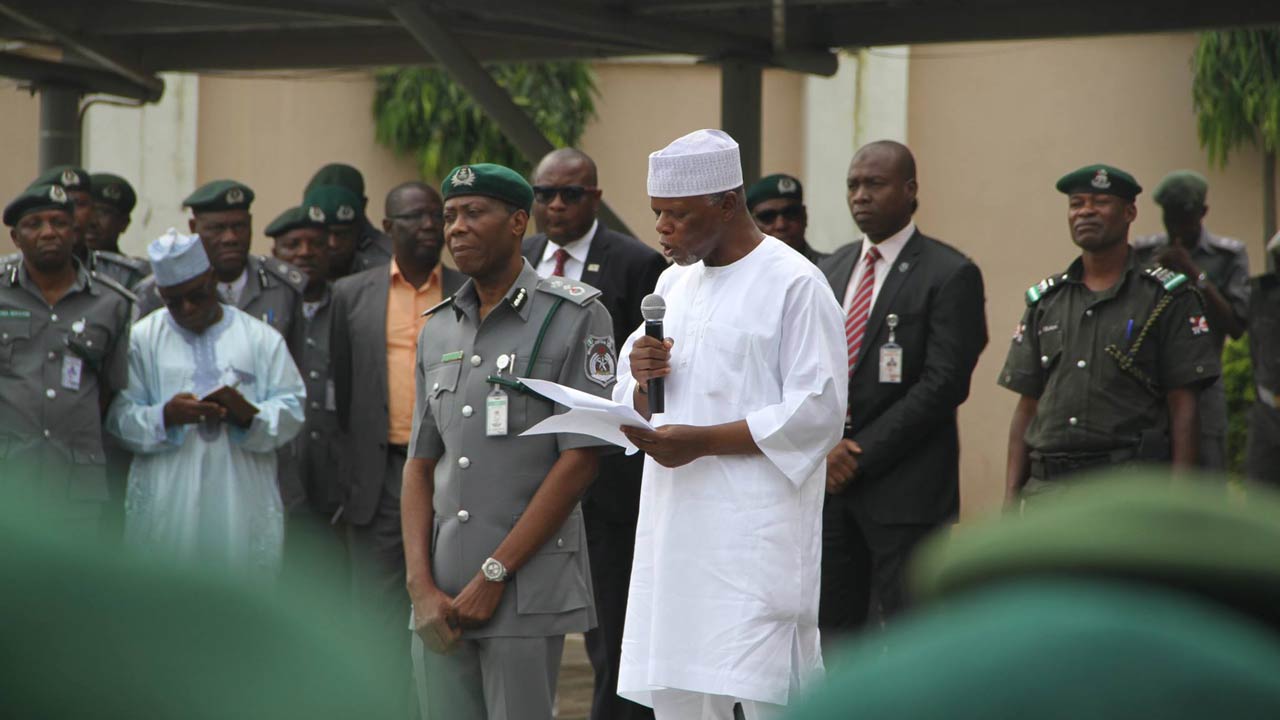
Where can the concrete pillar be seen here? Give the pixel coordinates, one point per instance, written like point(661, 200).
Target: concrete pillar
point(740, 99)
point(59, 126)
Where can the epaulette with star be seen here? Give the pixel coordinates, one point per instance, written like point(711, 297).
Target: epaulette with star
point(578, 293)
point(1170, 279)
point(107, 281)
point(1225, 243)
point(1046, 286)
point(142, 267)
point(438, 307)
point(292, 276)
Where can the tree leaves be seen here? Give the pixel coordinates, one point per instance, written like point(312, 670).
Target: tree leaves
point(1236, 90)
point(423, 113)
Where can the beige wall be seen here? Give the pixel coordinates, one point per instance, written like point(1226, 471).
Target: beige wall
point(994, 125)
point(19, 133)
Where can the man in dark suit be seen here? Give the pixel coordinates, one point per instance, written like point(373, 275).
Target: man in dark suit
point(377, 315)
point(915, 324)
point(572, 243)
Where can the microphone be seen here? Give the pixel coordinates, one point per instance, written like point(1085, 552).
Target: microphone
point(653, 308)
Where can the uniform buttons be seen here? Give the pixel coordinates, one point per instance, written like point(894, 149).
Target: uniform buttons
point(1199, 368)
point(53, 317)
point(4, 336)
point(463, 516)
point(314, 375)
point(50, 394)
point(475, 361)
point(435, 386)
point(559, 542)
point(464, 463)
point(311, 343)
point(315, 405)
point(315, 434)
point(1081, 364)
point(1088, 313)
point(466, 411)
point(52, 355)
point(1073, 421)
point(1044, 361)
point(48, 434)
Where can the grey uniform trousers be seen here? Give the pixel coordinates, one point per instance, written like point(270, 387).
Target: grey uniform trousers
point(501, 678)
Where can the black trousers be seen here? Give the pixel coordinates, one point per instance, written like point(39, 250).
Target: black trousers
point(863, 569)
point(610, 548)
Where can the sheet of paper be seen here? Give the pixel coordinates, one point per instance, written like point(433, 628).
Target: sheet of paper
point(588, 415)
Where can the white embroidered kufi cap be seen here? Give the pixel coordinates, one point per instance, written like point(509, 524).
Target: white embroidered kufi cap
point(700, 163)
point(176, 258)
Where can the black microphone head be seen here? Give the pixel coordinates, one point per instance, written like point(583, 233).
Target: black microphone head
point(653, 307)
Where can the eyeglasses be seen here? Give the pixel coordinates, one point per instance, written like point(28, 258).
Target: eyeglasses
point(571, 194)
point(790, 212)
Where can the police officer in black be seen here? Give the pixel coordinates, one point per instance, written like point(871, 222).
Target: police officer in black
point(1109, 358)
point(1262, 457)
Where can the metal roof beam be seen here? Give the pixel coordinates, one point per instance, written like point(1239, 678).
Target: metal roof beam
point(44, 72)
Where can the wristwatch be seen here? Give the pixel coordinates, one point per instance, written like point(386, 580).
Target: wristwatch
point(493, 570)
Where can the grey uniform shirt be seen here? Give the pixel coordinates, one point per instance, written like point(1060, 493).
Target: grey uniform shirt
point(1225, 263)
point(55, 365)
point(482, 483)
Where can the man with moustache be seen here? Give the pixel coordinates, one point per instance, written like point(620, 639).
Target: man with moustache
point(776, 203)
point(723, 607)
point(915, 325)
point(572, 244)
point(64, 338)
point(267, 289)
point(377, 315)
point(494, 539)
point(1109, 359)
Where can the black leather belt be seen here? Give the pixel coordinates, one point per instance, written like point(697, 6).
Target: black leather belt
point(1055, 466)
point(398, 449)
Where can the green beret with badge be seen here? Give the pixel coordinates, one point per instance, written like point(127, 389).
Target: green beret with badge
point(220, 195)
point(303, 216)
point(341, 206)
point(1182, 190)
point(495, 181)
point(340, 175)
point(1100, 179)
point(113, 190)
point(69, 177)
point(773, 187)
point(46, 196)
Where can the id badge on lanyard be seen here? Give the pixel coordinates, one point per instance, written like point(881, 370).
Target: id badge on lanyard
point(496, 404)
point(891, 355)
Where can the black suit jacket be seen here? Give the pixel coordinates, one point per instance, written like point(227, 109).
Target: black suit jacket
point(624, 270)
point(358, 358)
point(910, 466)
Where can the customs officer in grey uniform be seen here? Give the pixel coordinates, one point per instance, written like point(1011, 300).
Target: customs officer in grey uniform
point(1109, 358)
point(113, 202)
point(268, 289)
point(495, 548)
point(64, 338)
point(361, 245)
point(1262, 456)
point(1219, 267)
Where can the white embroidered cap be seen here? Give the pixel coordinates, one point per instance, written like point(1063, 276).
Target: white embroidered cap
point(700, 163)
point(176, 258)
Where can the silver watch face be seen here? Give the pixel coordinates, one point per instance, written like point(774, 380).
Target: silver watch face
point(493, 570)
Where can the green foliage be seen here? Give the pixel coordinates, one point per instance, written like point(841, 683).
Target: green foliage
point(1236, 90)
point(423, 113)
point(1237, 375)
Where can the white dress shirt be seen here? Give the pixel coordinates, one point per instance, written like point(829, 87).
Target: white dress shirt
point(889, 249)
point(577, 260)
point(230, 292)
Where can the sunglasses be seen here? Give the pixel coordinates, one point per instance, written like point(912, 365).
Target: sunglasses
point(197, 296)
point(791, 212)
point(570, 194)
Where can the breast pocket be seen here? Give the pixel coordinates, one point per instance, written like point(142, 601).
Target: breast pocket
point(1050, 350)
point(527, 409)
point(441, 385)
point(554, 580)
point(720, 372)
point(90, 345)
point(14, 336)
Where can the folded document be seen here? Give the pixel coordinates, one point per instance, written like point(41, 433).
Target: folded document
point(588, 415)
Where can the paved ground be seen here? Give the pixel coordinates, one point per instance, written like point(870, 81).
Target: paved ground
point(576, 681)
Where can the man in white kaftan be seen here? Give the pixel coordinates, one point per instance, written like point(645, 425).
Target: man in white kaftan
point(203, 481)
point(723, 605)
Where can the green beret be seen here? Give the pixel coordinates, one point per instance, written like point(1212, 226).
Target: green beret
point(495, 181)
point(113, 190)
point(303, 216)
point(340, 205)
point(43, 196)
point(338, 174)
point(69, 177)
point(220, 195)
point(772, 187)
point(1100, 179)
point(1182, 190)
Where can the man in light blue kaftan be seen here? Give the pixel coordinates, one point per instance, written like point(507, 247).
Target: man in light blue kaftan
point(212, 394)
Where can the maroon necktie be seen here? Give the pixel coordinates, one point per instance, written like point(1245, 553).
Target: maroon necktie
point(561, 255)
point(855, 326)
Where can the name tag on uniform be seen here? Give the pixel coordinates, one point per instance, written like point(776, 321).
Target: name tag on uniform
point(891, 363)
point(72, 370)
point(330, 396)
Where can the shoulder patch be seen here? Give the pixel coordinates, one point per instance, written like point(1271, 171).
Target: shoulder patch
point(1148, 241)
point(438, 307)
point(292, 276)
point(1226, 243)
point(108, 282)
point(136, 264)
point(578, 293)
point(1046, 286)
point(1168, 278)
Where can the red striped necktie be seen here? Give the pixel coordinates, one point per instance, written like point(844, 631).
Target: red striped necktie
point(561, 255)
point(855, 325)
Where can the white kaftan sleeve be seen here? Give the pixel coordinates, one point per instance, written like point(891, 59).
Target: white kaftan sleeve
point(136, 417)
point(796, 433)
point(280, 399)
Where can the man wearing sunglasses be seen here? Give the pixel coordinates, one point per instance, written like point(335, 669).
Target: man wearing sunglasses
point(777, 204)
point(572, 243)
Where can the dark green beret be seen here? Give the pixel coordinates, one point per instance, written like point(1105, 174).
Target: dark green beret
point(772, 187)
point(1102, 179)
point(303, 216)
point(340, 205)
point(44, 196)
point(338, 174)
point(220, 195)
point(113, 190)
point(69, 177)
point(1182, 190)
point(495, 181)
